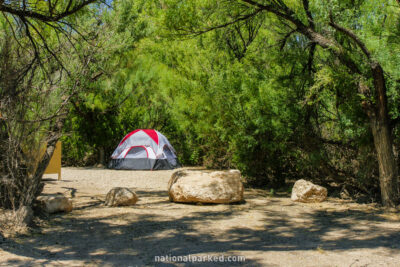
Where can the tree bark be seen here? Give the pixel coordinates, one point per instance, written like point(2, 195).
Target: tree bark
point(381, 131)
point(102, 156)
point(388, 172)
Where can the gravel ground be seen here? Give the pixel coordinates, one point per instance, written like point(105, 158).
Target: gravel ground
point(267, 231)
point(100, 180)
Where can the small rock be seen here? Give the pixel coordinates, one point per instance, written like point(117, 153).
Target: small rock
point(24, 215)
point(391, 209)
point(305, 191)
point(55, 203)
point(344, 194)
point(197, 186)
point(121, 196)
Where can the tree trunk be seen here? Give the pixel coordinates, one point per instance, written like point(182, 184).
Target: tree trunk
point(36, 185)
point(102, 156)
point(387, 164)
point(381, 131)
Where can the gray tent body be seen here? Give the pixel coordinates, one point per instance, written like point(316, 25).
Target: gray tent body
point(144, 149)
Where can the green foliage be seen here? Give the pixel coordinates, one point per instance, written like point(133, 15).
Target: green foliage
point(243, 96)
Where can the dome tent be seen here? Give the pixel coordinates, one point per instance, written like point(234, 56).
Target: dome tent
point(144, 149)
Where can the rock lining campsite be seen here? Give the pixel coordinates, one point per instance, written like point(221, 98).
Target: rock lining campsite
point(267, 230)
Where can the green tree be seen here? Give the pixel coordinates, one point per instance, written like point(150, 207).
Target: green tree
point(340, 30)
point(36, 84)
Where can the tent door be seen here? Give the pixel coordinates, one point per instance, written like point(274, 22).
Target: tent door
point(137, 152)
point(169, 155)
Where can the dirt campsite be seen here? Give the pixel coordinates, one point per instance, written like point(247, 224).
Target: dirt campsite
point(264, 230)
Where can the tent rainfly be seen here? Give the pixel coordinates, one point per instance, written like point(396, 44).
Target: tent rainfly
point(144, 149)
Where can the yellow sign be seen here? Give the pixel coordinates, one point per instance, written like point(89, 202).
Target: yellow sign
point(55, 162)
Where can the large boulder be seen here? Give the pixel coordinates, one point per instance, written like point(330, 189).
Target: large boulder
point(55, 203)
point(199, 186)
point(305, 191)
point(121, 196)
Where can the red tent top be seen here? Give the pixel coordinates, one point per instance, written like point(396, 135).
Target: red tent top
point(150, 132)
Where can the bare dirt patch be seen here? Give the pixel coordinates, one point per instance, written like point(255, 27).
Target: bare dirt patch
point(268, 231)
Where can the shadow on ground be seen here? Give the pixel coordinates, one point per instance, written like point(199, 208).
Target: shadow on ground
point(134, 236)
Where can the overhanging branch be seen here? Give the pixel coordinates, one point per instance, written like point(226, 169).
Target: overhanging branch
point(352, 36)
point(48, 15)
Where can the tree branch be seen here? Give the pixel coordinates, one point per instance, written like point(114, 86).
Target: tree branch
point(50, 16)
point(241, 18)
point(308, 13)
point(352, 36)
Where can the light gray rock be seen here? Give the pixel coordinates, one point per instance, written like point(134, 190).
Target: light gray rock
point(305, 191)
point(121, 196)
point(200, 186)
point(55, 203)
